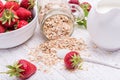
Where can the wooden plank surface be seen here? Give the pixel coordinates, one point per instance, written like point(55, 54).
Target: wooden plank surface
point(98, 64)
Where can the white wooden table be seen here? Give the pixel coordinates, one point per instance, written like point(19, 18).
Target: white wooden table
point(99, 64)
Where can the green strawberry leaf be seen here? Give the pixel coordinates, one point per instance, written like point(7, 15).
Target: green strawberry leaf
point(14, 70)
point(82, 22)
point(85, 12)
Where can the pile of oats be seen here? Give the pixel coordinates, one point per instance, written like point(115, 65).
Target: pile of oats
point(57, 26)
point(56, 20)
point(46, 52)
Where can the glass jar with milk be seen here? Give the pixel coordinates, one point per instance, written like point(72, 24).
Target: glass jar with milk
point(104, 25)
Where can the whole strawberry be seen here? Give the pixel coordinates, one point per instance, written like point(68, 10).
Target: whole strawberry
point(2, 29)
point(9, 18)
point(1, 6)
point(86, 5)
point(72, 60)
point(22, 69)
point(28, 4)
point(24, 14)
point(74, 2)
point(1, 13)
point(12, 5)
point(21, 23)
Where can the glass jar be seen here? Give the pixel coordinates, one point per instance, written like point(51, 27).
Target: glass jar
point(56, 20)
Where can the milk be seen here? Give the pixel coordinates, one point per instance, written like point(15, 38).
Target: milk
point(103, 24)
point(104, 5)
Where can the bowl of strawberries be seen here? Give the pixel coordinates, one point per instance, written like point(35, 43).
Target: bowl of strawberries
point(18, 21)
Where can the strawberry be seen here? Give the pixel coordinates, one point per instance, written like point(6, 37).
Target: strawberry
point(21, 23)
point(12, 4)
point(9, 18)
point(1, 13)
point(72, 59)
point(23, 13)
point(28, 4)
point(22, 69)
point(2, 29)
point(74, 2)
point(73, 10)
point(86, 5)
point(1, 6)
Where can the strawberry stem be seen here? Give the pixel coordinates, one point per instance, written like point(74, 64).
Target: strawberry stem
point(14, 70)
point(3, 72)
point(32, 3)
point(76, 60)
point(13, 0)
point(8, 16)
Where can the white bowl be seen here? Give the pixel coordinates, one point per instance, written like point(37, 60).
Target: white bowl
point(19, 36)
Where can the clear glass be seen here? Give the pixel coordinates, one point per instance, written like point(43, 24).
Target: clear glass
point(55, 18)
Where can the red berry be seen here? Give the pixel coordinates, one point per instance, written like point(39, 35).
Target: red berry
point(21, 23)
point(29, 69)
point(9, 18)
point(12, 4)
point(2, 29)
point(73, 6)
point(23, 69)
point(23, 13)
point(28, 4)
point(86, 5)
point(1, 6)
point(72, 59)
point(74, 2)
point(73, 10)
point(1, 13)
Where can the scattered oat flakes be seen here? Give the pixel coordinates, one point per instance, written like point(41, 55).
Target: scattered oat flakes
point(95, 46)
point(46, 52)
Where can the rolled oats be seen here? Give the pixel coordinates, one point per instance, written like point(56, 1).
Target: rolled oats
point(56, 20)
point(57, 26)
point(46, 52)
